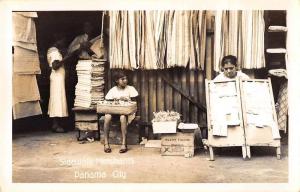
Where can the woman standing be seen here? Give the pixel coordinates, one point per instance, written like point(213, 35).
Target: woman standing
point(57, 102)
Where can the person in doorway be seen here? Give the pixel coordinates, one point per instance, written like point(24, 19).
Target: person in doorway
point(82, 43)
point(57, 108)
point(230, 69)
point(122, 92)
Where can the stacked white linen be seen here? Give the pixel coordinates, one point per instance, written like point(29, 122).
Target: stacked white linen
point(90, 87)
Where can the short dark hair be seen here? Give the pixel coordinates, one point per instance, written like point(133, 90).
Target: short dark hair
point(119, 74)
point(229, 59)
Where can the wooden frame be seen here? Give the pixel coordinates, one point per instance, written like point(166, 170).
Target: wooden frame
point(235, 135)
point(259, 136)
point(243, 135)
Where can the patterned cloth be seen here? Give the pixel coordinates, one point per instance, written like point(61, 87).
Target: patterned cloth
point(282, 111)
point(157, 39)
point(235, 32)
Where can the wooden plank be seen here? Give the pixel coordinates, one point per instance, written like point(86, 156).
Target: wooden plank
point(185, 103)
point(175, 87)
point(193, 94)
point(168, 92)
point(145, 97)
point(177, 96)
point(152, 94)
point(197, 93)
point(135, 82)
point(201, 96)
point(86, 126)
point(86, 116)
point(159, 92)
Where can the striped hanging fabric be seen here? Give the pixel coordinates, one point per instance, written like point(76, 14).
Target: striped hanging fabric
point(157, 39)
point(198, 39)
point(150, 40)
point(240, 33)
point(218, 38)
point(115, 39)
point(125, 45)
point(160, 37)
point(179, 41)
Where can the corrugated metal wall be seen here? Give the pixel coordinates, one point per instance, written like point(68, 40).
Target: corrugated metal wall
point(156, 94)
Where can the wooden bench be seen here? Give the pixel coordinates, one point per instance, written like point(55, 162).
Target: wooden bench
point(88, 120)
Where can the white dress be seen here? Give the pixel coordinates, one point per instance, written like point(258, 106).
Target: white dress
point(57, 102)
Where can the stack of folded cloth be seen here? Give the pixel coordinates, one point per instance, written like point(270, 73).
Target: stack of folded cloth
point(90, 87)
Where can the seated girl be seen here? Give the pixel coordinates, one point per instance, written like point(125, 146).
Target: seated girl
point(122, 92)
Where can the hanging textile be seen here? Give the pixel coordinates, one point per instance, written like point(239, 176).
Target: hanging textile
point(22, 93)
point(24, 28)
point(282, 112)
point(198, 39)
point(26, 61)
point(179, 41)
point(26, 109)
point(26, 65)
point(152, 35)
point(114, 39)
point(240, 33)
point(157, 39)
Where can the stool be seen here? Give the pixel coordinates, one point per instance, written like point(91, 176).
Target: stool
point(86, 119)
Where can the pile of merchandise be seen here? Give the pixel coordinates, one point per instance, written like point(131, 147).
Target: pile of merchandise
point(90, 86)
point(166, 116)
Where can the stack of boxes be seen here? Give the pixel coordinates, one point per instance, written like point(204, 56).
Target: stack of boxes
point(90, 87)
point(88, 91)
point(174, 143)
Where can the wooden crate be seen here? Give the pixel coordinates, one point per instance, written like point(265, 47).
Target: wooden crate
point(86, 119)
point(85, 116)
point(87, 125)
point(179, 144)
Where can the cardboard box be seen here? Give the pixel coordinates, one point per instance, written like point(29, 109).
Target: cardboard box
point(179, 144)
point(164, 126)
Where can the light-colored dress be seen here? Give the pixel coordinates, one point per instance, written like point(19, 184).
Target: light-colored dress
point(57, 102)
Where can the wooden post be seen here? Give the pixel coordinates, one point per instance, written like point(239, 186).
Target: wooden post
point(211, 154)
point(244, 151)
point(278, 153)
point(248, 151)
